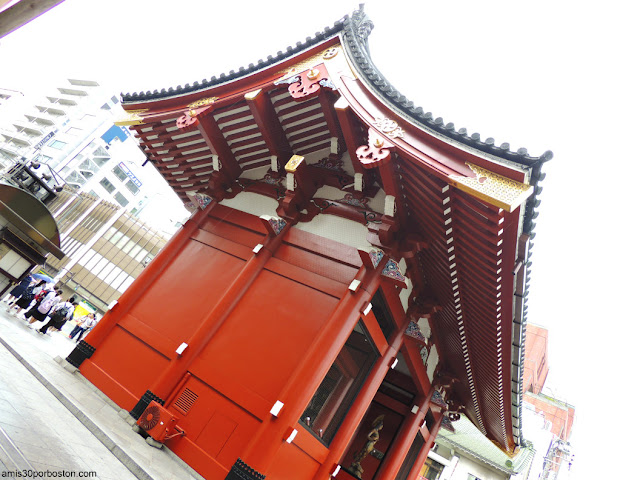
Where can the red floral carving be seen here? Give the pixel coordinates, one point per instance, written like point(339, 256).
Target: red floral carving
point(376, 152)
point(308, 83)
point(189, 120)
point(186, 121)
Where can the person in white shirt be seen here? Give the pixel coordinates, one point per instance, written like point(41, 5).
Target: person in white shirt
point(84, 323)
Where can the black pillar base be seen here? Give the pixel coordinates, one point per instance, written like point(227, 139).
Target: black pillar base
point(242, 471)
point(79, 354)
point(143, 403)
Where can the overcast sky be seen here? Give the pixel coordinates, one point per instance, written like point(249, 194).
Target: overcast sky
point(542, 75)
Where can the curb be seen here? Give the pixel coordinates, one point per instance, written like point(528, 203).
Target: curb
point(126, 460)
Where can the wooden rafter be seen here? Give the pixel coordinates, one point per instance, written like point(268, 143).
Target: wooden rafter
point(269, 125)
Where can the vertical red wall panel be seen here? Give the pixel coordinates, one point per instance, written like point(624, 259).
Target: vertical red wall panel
point(122, 367)
point(266, 335)
point(179, 300)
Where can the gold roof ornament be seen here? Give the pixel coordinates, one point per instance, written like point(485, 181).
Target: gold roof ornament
point(496, 189)
point(202, 102)
point(389, 127)
point(132, 117)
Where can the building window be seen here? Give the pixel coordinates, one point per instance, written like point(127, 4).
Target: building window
point(132, 187)
point(121, 199)
point(108, 186)
point(471, 476)
point(57, 144)
point(431, 470)
point(118, 172)
point(326, 410)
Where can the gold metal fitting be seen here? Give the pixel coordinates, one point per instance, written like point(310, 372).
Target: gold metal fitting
point(293, 163)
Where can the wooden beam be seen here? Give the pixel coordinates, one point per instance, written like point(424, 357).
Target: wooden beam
point(218, 145)
point(331, 117)
point(269, 125)
point(350, 134)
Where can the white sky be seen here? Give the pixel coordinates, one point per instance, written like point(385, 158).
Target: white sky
point(541, 75)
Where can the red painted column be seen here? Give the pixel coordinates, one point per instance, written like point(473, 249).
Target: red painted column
point(359, 407)
point(310, 372)
point(424, 451)
point(149, 275)
point(178, 366)
point(402, 443)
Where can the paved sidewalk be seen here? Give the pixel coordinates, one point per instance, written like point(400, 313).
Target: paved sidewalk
point(52, 419)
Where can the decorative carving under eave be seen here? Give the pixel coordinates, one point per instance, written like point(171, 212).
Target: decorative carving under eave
point(309, 82)
point(413, 331)
point(359, 201)
point(389, 127)
point(199, 199)
point(189, 120)
point(273, 224)
point(376, 255)
point(446, 424)
point(202, 102)
point(376, 153)
point(392, 272)
point(437, 399)
point(371, 257)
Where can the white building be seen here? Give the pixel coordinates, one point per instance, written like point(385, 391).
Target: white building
point(67, 135)
point(113, 212)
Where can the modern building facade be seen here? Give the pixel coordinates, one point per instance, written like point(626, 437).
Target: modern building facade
point(354, 274)
point(105, 247)
point(64, 149)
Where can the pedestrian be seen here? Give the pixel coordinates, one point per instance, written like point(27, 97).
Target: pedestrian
point(40, 312)
point(59, 315)
point(23, 302)
point(84, 323)
point(19, 289)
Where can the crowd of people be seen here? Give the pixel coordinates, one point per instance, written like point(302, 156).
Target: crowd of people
point(37, 301)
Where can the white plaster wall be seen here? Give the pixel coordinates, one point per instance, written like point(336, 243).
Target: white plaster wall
point(256, 173)
point(339, 229)
point(432, 362)
point(425, 328)
point(377, 203)
point(330, 193)
point(252, 203)
point(405, 293)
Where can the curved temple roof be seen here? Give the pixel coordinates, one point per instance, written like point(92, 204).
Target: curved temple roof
point(356, 29)
point(450, 184)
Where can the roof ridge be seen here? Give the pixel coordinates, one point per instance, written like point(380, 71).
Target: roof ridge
point(356, 32)
point(223, 77)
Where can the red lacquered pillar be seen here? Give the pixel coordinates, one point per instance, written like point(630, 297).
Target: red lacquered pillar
point(305, 380)
point(359, 408)
point(151, 272)
point(402, 443)
point(166, 382)
point(424, 451)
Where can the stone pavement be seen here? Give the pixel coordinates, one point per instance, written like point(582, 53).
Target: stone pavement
point(53, 419)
